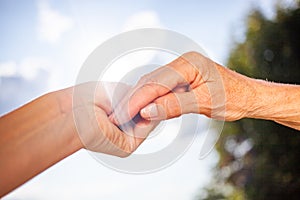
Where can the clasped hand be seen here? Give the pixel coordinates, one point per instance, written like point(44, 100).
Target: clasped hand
point(118, 122)
point(190, 84)
point(115, 118)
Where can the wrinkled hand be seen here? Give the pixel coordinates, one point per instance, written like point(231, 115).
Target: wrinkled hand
point(92, 104)
point(190, 84)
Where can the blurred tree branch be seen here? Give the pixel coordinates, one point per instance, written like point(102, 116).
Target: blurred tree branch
point(259, 159)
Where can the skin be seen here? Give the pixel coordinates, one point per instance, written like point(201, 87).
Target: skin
point(52, 127)
point(43, 132)
point(195, 84)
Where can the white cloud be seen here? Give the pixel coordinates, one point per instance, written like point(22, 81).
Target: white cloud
point(51, 23)
point(31, 66)
point(29, 76)
point(28, 68)
point(8, 68)
point(143, 19)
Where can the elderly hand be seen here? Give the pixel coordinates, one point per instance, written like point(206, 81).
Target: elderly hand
point(190, 84)
point(195, 84)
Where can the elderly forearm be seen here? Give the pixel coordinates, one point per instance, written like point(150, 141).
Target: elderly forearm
point(277, 102)
point(32, 138)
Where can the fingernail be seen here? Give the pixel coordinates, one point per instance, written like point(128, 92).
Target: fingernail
point(150, 111)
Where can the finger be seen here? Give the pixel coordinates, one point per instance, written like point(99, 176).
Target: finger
point(108, 94)
point(97, 133)
point(170, 106)
point(152, 86)
point(131, 105)
point(109, 139)
point(143, 130)
point(131, 135)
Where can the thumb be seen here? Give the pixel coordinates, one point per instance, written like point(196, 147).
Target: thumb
point(170, 106)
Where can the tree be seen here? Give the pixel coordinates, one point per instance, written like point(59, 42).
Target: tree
point(260, 159)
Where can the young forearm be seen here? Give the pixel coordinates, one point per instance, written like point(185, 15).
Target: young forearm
point(33, 138)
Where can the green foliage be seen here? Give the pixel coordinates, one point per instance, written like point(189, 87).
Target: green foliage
point(260, 159)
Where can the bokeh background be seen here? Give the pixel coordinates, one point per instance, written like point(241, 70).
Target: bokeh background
point(44, 43)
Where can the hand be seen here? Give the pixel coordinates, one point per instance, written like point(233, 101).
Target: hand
point(190, 84)
point(92, 104)
point(54, 126)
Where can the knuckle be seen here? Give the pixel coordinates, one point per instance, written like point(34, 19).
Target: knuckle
point(151, 85)
point(124, 154)
point(171, 106)
point(124, 148)
point(152, 88)
point(147, 79)
point(143, 79)
point(191, 54)
point(168, 108)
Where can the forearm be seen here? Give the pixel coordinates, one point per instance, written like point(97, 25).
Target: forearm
point(252, 98)
point(277, 102)
point(32, 138)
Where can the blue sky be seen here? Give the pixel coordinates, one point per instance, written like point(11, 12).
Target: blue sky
point(43, 45)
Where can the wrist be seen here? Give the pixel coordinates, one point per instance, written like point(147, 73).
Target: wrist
point(240, 94)
point(64, 101)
